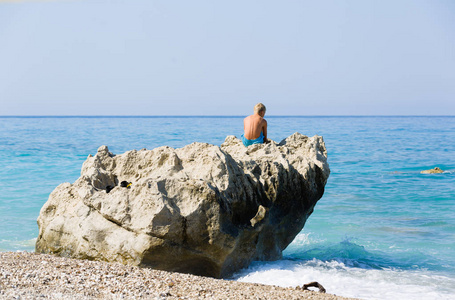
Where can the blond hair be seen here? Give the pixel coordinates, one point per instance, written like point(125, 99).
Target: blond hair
point(259, 108)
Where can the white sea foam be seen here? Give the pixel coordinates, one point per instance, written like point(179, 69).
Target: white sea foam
point(353, 282)
point(303, 239)
point(12, 245)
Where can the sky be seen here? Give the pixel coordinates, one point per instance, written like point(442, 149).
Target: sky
point(175, 57)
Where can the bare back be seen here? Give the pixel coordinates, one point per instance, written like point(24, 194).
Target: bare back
point(253, 125)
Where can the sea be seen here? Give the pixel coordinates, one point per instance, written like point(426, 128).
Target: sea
point(382, 230)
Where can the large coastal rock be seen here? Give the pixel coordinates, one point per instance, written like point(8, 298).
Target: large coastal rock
point(199, 209)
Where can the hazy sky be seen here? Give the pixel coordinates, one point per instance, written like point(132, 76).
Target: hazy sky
point(146, 57)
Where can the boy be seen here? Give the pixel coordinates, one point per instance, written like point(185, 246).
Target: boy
point(255, 127)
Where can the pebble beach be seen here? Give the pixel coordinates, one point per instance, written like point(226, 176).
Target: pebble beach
point(29, 275)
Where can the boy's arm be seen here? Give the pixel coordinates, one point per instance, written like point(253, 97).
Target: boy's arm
point(264, 130)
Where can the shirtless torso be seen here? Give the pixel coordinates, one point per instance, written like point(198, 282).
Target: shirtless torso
point(253, 126)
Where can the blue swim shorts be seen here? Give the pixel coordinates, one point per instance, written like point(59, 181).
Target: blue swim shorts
point(247, 142)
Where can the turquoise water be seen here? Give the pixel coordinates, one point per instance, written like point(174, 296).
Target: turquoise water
point(381, 231)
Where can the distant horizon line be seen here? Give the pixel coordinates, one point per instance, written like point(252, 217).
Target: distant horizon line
point(215, 116)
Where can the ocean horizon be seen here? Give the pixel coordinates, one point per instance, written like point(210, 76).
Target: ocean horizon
point(225, 116)
point(382, 230)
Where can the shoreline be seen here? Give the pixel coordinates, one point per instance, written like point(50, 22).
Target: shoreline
point(30, 275)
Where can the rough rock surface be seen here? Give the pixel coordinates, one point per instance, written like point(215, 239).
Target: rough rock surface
point(199, 209)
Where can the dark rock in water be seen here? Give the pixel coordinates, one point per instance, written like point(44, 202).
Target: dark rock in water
point(200, 209)
point(436, 170)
